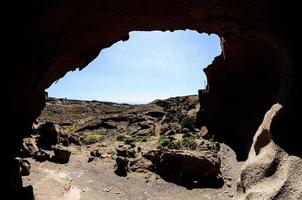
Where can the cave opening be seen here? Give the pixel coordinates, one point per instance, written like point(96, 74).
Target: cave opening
point(85, 114)
point(251, 103)
point(149, 65)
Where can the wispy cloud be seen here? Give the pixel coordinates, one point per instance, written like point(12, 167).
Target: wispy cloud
point(149, 65)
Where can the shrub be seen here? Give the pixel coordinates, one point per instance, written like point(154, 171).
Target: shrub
point(129, 140)
point(189, 143)
point(176, 144)
point(168, 143)
point(163, 143)
point(92, 137)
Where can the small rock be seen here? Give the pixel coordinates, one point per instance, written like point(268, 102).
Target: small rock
point(62, 154)
point(104, 145)
point(95, 153)
point(107, 189)
point(29, 147)
point(131, 153)
point(74, 140)
point(90, 159)
point(229, 184)
point(41, 156)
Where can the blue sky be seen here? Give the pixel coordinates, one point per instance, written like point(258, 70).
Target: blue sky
point(150, 65)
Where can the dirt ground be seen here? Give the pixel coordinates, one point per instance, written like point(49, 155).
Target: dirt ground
point(84, 180)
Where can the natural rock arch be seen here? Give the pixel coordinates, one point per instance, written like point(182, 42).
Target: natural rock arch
point(260, 67)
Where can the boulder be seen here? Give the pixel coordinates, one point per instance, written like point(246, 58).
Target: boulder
point(64, 141)
point(140, 165)
point(95, 153)
point(29, 147)
point(186, 166)
point(122, 151)
point(189, 120)
point(121, 166)
point(61, 154)
point(125, 152)
point(41, 156)
point(49, 135)
point(74, 140)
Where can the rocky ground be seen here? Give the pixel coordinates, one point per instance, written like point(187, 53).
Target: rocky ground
point(102, 150)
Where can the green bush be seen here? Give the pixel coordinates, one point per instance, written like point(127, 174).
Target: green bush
point(176, 144)
point(162, 142)
point(189, 143)
point(92, 137)
point(168, 143)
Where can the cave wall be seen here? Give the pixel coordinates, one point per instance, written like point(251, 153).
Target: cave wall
point(242, 85)
point(51, 37)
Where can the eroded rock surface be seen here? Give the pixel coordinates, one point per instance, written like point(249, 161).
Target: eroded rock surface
point(270, 173)
point(185, 167)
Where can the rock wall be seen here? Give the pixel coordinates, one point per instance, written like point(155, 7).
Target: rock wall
point(270, 172)
point(260, 66)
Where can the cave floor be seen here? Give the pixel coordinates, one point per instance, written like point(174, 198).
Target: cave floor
point(79, 179)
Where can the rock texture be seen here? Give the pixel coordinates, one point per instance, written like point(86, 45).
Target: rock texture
point(270, 172)
point(29, 147)
point(186, 167)
point(261, 55)
point(61, 154)
point(49, 135)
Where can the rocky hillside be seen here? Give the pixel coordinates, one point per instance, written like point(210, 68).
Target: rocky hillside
point(85, 120)
point(160, 137)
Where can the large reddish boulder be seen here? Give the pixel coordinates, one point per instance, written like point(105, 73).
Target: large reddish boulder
point(186, 166)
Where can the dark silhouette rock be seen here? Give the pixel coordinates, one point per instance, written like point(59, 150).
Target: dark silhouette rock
point(41, 156)
point(61, 154)
point(121, 166)
point(95, 153)
point(122, 151)
point(49, 135)
point(24, 166)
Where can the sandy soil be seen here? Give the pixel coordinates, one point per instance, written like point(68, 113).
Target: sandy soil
point(79, 179)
